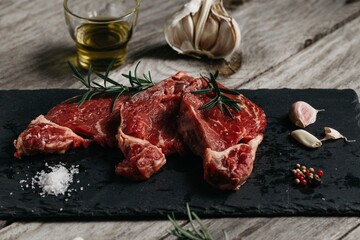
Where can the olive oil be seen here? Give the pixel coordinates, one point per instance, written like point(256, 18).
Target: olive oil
point(100, 43)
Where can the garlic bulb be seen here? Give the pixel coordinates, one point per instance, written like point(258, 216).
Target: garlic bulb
point(203, 28)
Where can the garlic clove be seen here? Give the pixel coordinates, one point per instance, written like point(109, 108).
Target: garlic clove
point(188, 32)
point(229, 33)
point(224, 44)
point(211, 31)
point(200, 23)
point(306, 138)
point(331, 133)
point(303, 114)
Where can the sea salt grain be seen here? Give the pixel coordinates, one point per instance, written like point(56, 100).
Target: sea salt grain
point(56, 181)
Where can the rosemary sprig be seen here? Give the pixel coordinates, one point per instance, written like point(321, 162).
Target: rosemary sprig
point(198, 231)
point(220, 99)
point(110, 86)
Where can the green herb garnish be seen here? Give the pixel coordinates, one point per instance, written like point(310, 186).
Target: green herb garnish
point(198, 231)
point(110, 87)
point(220, 99)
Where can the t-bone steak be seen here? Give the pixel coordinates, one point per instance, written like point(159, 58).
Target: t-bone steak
point(227, 146)
point(93, 121)
point(148, 129)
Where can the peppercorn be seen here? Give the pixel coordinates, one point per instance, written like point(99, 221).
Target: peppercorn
point(303, 182)
point(306, 176)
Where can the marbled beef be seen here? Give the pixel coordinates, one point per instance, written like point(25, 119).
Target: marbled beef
point(148, 129)
point(227, 146)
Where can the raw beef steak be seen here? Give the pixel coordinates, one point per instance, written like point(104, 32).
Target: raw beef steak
point(227, 146)
point(44, 136)
point(148, 128)
point(93, 121)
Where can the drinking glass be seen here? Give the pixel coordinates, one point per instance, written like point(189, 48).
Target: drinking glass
point(101, 30)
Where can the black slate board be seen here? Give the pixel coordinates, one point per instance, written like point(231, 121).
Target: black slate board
point(268, 192)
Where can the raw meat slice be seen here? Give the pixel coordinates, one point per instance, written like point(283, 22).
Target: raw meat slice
point(92, 120)
point(230, 168)
point(44, 136)
point(227, 146)
point(148, 121)
point(143, 158)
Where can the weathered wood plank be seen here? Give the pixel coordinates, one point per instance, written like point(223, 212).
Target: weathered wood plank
point(272, 32)
point(302, 228)
point(35, 56)
point(286, 228)
point(331, 63)
point(352, 235)
point(135, 230)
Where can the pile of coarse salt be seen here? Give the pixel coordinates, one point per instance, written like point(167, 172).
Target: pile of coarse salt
point(57, 181)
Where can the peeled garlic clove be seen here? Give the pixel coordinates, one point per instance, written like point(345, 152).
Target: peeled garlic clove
point(303, 114)
point(207, 31)
point(331, 133)
point(306, 138)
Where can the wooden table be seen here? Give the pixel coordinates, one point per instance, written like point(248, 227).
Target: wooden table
point(294, 44)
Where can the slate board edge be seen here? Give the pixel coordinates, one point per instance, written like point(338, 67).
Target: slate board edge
point(146, 215)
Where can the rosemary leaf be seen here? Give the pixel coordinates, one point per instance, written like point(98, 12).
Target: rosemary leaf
point(202, 226)
point(109, 87)
point(83, 98)
point(191, 220)
point(89, 75)
point(75, 72)
point(228, 91)
point(81, 80)
point(224, 102)
point(202, 91)
point(197, 231)
point(100, 86)
point(228, 112)
point(209, 105)
point(226, 236)
point(115, 98)
point(110, 67)
point(182, 232)
point(107, 79)
point(93, 95)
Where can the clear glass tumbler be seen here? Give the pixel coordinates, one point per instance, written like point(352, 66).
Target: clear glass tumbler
point(101, 29)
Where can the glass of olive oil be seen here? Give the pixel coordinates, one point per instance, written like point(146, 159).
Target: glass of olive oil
point(101, 30)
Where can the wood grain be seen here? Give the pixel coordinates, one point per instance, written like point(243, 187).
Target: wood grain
point(272, 32)
point(135, 230)
point(354, 234)
point(297, 44)
point(280, 228)
point(331, 63)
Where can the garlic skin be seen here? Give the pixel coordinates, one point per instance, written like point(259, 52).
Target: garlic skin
point(331, 133)
point(203, 28)
point(303, 114)
point(306, 138)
